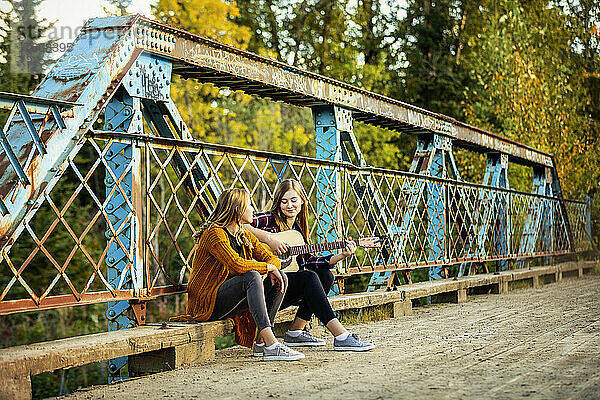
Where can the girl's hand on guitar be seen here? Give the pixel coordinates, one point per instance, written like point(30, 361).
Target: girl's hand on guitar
point(275, 276)
point(349, 249)
point(277, 246)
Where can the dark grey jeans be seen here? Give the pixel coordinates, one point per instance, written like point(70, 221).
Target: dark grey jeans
point(249, 291)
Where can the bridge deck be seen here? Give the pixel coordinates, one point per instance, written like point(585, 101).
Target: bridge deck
point(535, 343)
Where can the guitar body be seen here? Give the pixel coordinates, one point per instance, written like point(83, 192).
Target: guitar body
point(290, 238)
point(296, 246)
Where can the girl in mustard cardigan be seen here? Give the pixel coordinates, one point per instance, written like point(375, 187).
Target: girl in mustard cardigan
point(227, 277)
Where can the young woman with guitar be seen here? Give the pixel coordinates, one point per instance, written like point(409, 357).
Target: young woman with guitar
point(312, 279)
point(227, 277)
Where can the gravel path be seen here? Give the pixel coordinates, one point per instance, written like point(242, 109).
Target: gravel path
point(538, 343)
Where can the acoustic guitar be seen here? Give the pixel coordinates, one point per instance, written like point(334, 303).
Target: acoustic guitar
point(295, 245)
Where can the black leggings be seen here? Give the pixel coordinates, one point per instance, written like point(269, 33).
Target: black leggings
point(308, 289)
point(249, 291)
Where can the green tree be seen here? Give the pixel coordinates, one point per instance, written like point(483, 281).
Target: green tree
point(120, 6)
point(584, 21)
point(263, 18)
point(525, 87)
point(349, 41)
point(204, 107)
point(219, 115)
point(23, 47)
point(433, 76)
point(373, 38)
point(307, 34)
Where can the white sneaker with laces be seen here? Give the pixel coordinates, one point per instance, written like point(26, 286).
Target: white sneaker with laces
point(352, 343)
point(281, 353)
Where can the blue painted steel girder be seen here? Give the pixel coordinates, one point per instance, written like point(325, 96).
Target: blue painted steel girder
point(494, 219)
point(328, 143)
point(436, 215)
point(441, 165)
point(122, 114)
point(433, 157)
point(328, 179)
point(502, 226)
point(150, 79)
point(88, 74)
point(540, 216)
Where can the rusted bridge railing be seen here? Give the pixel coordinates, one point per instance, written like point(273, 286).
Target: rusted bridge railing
point(67, 252)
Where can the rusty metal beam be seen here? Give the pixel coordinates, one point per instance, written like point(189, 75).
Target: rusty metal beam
point(31, 128)
point(13, 159)
point(194, 55)
point(34, 104)
point(67, 300)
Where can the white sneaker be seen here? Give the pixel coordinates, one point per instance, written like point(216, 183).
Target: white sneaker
point(352, 343)
point(281, 353)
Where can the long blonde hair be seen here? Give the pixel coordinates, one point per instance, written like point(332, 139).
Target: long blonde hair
point(301, 218)
point(231, 205)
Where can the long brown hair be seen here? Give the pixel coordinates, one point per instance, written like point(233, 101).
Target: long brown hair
point(231, 205)
point(301, 218)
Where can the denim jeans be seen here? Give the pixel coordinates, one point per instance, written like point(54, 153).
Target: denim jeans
point(249, 290)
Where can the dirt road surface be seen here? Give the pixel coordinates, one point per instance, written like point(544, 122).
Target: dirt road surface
point(538, 343)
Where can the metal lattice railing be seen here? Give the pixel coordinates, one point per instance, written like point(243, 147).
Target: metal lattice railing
point(60, 258)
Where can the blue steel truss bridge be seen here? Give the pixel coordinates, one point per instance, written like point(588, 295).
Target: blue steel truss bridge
point(138, 186)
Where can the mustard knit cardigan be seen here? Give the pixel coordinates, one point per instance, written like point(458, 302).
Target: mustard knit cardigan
point(214, 260)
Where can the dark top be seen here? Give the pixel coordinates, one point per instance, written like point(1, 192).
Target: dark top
point(234, 243)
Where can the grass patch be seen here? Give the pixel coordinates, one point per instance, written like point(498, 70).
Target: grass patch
point(223, 342)
point(368, 314)
point(65, 381)
point(570, 274)
point(520, 284)
point(546, 279)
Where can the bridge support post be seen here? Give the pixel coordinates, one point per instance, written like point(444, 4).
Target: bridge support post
point(493, 212)
point(540, 218)
point(171, 358)
point(329, 121)
point(433, 157)
point(123, 181)
point(402, 308)
point(498, 163)
point(17, 387)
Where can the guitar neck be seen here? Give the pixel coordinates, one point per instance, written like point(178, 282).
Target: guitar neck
point(315, 247)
